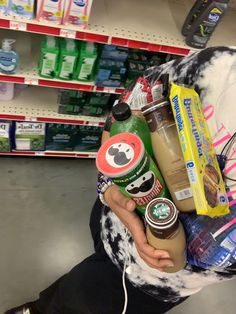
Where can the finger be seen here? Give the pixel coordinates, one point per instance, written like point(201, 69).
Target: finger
point(121, 200)
point(155, 263)
point(147, 249)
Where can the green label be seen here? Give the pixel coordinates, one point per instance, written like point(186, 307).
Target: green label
point(48, 64)
point(67, 67)
point(86, 69)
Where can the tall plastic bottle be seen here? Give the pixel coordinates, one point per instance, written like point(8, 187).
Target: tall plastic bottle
point(86, 62)
point(206, 22)
point(49, 57)
point(196, 9)
point(126, 122)
point(67, 59)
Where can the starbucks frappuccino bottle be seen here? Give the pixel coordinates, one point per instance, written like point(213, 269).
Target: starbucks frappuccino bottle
point(165, 232)
point(168, 153)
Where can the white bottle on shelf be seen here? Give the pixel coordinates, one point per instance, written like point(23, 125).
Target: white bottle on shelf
point(6, 91)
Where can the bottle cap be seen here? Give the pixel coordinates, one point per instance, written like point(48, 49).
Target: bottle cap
point(120, 154)
point(7, 44)
point(121, 111)
point(70, 44)
point(155, 105)
point(90, 47)
point(51, 42)
point(161, 214)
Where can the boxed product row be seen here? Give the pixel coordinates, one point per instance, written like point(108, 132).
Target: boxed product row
point(35, 136)
point(83, 103)
point(74, 12)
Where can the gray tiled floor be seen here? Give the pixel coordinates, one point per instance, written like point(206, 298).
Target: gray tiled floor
point(45, 206)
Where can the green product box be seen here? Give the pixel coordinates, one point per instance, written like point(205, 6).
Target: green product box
point(72, 97)
point(30, 136)
point(66, 137)
point(139, 56)
point(88, 138)
point(100, 99)
point(61, 137)
point(70, 109)
point(5, 138)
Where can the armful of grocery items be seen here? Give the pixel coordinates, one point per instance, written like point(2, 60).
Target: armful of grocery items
point(179, 173)
point(174, 144)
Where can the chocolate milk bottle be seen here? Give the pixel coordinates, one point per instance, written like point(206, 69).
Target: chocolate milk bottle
point(168, 153)
point(165, 232)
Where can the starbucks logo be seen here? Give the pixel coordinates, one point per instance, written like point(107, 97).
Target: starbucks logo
point(160, 211)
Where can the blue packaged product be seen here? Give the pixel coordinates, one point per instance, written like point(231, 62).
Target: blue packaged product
point(111, 73)
point(115, 53)
point(3, 6)
point(24, 8)
point(9, 59)
point(5, 136)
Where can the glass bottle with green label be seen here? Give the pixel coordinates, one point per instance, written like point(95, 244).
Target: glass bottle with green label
point(165, 232)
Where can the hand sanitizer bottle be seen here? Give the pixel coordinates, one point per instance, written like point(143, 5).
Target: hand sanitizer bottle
point(9, 59)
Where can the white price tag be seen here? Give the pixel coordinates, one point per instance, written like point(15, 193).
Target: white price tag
point(92, 124)
point(67, 33)
point(27, 118)
point(31, 81)
point(39, 153)
point(92, 155)
point(109, 90)
point(18, 26)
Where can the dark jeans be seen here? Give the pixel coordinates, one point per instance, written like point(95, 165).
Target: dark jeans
point(95, 286)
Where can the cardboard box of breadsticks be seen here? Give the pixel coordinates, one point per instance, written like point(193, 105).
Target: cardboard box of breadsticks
point(201, 162)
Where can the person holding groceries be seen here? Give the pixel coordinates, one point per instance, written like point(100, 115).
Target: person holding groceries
point(121, 247)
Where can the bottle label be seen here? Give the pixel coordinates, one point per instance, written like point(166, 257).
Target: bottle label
point(48, 66)
point(86, 69)
point(67, 67)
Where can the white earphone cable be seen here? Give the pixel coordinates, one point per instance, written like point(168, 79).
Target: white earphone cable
point(123, 277)
point(125, 290)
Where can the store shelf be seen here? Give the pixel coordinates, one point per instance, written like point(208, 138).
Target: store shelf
point(152, 25)
point(28, 47)
point(51, 154)
point(40, 104)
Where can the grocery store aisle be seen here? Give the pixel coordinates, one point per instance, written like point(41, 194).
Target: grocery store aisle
point(45, 206)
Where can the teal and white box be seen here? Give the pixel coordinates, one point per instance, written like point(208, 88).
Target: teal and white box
point(24, 8)
point(30, 136)
point(5, 138)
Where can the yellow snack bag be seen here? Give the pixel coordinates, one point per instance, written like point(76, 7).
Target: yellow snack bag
point(200, 158)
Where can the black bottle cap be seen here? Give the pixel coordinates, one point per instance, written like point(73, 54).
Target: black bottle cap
point(121, 111)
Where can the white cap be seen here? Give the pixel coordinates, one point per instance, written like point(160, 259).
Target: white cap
point(90, 47)
point(51, 42)
point(7, 44)
point(70, 44)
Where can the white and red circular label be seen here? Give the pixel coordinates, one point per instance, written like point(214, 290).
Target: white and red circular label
point(119, 154)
